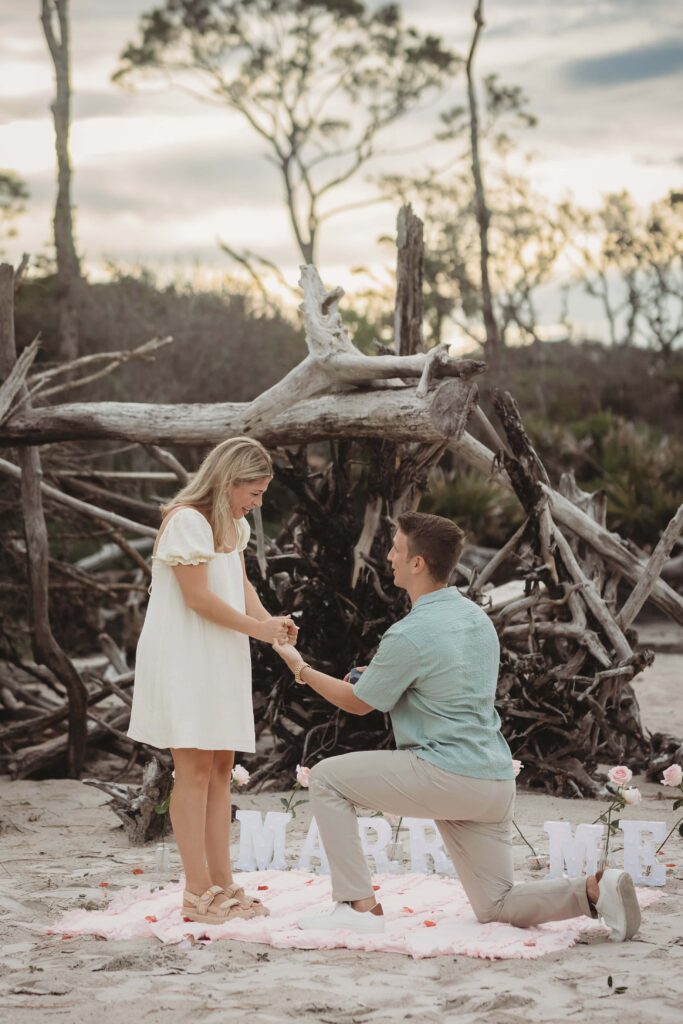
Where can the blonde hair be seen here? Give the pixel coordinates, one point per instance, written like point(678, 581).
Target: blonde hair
point(235, 461)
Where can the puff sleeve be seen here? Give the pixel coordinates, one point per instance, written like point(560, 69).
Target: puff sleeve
point(243, 533)
point(186, 540)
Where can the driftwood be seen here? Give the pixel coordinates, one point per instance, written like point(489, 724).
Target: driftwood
point(568, 653)
point(142, 809)
point(45, 647)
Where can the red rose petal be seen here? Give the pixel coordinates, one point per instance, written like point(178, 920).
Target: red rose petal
point(67, 937)
point(376, 887)
point(138, 871)
point(104, 885)
point(669, 865)
point(151, 918)
point(310, 881)
point(261, 888)
point(429, 924)
point(407, 910)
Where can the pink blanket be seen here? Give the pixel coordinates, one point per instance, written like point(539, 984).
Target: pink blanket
point(426, 915)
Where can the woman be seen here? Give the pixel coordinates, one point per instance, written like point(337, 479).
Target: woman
point(193, 669)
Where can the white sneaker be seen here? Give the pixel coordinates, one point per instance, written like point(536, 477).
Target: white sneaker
point(617, 904)
point(343, 917)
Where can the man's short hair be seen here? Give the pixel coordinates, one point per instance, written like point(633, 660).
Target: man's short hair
point(439, 541)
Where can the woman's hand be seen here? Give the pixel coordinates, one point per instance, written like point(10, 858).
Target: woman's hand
point(292, 633)
point(276, 628)
point(289, 654)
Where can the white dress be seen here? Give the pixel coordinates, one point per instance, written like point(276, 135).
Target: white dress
point(193, 677)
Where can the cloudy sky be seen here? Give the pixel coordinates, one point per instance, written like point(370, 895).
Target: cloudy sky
point(158, 177)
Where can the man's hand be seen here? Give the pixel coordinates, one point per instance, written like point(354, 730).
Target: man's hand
point(289, 654)
point(356, 668)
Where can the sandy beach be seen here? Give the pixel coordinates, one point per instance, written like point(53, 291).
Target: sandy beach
point(62, 848)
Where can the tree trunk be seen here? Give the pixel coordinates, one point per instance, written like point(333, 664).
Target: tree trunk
point(408, 335)
point(46, 650)
point(483, 214)
point(68, 268)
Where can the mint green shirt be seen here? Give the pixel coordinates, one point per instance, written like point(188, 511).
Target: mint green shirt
point(435, 672)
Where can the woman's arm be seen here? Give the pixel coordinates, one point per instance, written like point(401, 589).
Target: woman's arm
point(254, 608)
point(194, 585)
point(252, 602)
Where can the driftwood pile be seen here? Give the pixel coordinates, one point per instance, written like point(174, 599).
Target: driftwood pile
point(375, 427)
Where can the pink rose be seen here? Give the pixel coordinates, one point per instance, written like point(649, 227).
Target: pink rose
point(673, 775)
point(620, 775)
point(240, 775)
point(302, 775)
point(632, 796)
point(516, 767)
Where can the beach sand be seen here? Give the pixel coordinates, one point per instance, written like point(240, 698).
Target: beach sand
point(59, 842)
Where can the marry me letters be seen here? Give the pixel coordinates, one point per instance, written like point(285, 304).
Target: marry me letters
point(263, 843)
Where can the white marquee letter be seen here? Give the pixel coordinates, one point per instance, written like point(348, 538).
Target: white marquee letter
point(579, 853)
point(262, 843)
point(423, 846)
point(641, 839)
point(313, 847)
point(377, 849)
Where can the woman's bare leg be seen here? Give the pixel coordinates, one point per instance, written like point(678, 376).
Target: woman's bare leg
point(218, 812)
point(188, 809)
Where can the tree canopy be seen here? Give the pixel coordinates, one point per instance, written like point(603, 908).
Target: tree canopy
point(317, 80)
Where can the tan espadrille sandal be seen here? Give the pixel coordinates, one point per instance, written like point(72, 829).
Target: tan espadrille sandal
point(196, 908)
point(236, 892)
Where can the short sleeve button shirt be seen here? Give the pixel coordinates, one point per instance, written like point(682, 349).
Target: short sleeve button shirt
point(435, 672)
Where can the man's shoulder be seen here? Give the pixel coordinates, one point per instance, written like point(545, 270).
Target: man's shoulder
point(401, 632)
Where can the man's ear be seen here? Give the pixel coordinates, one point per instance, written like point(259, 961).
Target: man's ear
point(421, 564)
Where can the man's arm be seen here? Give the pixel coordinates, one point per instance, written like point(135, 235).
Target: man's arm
point(336, 691)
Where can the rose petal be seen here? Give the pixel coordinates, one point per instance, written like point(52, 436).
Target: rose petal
point(261, 888)
point(376, 887)
point(104, 885)
point(151, 918)
point(429, 924)
point(67, 937)
point(138, 871)
point(407, 910)
point(669, 865)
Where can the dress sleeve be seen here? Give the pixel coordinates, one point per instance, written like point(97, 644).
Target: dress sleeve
point(243, 533)
point(187, 539)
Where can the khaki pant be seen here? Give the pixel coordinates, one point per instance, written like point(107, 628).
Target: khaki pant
point(473, 816)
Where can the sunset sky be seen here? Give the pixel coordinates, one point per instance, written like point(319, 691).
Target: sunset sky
point(159, 177)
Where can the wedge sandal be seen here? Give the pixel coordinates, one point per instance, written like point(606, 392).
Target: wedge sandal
point(196, 908)
point(236, 892)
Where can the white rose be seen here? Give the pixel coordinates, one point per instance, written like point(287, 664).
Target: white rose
point(632, 796)
point(673, 775)
point(240, 775)
point(620, 775)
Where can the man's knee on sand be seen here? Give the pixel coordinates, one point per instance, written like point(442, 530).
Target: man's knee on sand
point(486, 913)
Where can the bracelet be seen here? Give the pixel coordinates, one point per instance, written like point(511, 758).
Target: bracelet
point(298, 670)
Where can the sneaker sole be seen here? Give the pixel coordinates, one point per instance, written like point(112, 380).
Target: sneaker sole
point(629, 898)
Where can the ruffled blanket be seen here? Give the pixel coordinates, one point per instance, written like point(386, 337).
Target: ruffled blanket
point(426, 916)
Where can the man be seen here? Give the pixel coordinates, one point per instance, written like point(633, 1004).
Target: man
point(435, 672)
